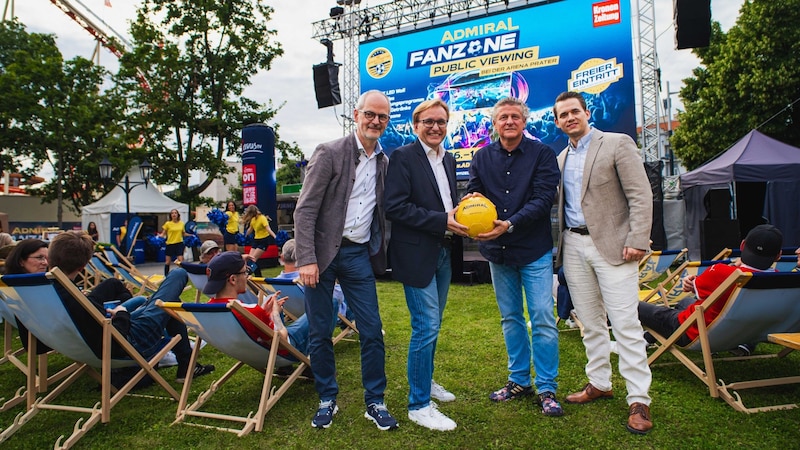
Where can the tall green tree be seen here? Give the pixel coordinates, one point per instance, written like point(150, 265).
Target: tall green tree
point(184, 81)
point(54, 113)
point(748, 78)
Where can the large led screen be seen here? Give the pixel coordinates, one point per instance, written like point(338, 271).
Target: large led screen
point(532, 53)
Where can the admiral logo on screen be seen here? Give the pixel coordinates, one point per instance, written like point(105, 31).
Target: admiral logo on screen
point(379, 62)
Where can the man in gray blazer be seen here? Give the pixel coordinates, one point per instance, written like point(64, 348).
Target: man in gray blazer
point(420, 200)
point(605, 212)
point(339, 234)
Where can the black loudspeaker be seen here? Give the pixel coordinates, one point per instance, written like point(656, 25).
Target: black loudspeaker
point(326, 85)
point(692, 23)
point(718, 204)
point(716, 234)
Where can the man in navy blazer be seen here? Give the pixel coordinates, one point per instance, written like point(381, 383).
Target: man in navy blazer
point(420, 200)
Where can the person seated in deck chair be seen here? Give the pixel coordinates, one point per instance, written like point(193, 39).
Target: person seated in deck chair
point(760, 249)
point(143, 327)
point(227, 278)
point(288, 259)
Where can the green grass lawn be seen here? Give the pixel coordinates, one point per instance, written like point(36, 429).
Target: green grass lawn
point(470, 362)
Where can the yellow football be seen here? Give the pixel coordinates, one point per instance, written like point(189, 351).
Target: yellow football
point(478, 213)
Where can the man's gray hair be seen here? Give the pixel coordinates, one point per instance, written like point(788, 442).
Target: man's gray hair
point(363, 99)
point(287, 252)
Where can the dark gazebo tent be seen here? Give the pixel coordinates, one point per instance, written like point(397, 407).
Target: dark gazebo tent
point(762, 176)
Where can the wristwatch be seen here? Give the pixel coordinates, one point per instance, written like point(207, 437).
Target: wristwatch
point(510, 227)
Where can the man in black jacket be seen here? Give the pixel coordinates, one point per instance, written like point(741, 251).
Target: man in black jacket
point(143, 327)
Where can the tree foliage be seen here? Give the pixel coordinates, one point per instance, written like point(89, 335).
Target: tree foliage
point(749, 78)
point(54, 112)
point(194, 60)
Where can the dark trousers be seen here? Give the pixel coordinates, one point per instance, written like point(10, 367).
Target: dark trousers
point(663, 319)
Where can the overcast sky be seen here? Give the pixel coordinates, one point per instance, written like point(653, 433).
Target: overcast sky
point(290, 80)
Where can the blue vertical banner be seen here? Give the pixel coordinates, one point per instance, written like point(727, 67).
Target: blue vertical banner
point(258, 168)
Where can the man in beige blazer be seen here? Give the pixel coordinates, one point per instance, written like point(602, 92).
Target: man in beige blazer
point(605, 211)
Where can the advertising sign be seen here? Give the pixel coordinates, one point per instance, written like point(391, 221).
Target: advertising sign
point(532, 53)
point(258, 168)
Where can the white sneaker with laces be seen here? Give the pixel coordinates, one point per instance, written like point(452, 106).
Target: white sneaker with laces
point(430, 417)
point(440, 393)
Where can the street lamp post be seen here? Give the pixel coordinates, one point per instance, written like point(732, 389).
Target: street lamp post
point(145, 169)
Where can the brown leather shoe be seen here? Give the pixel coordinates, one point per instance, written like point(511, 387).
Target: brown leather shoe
point(639, 421)
point(589, 394)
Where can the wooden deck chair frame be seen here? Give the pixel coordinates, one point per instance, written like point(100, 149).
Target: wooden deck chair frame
point(33, 296)
point(140, 285)
point(760, 304)
point(295, 305)
point(13, 356)
point(657, 263)
point(217, 325)
point(669, 291)
point(118, 260)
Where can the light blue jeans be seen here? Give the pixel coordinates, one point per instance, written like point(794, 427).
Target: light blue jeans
point(426, 306)
point(536, 280)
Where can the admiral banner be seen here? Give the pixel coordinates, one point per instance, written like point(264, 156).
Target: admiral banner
point(533, 53)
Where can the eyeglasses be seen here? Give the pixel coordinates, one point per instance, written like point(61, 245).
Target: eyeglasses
point(512, 117)
point(382, 118)
point(429, 123)
point(246, 271)
point(38, 258)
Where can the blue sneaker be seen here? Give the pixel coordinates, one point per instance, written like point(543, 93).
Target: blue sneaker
point(378, 413)
point(324, 416)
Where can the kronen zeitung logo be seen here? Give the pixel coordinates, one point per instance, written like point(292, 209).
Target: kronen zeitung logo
point(595, 75)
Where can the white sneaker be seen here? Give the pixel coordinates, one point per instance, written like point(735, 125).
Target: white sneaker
point(430, 417)
point(440, 393)
point(168, 360)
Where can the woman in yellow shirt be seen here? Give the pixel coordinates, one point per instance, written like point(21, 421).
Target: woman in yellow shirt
point(258, 224)
point(229, 233)
point(174, 230)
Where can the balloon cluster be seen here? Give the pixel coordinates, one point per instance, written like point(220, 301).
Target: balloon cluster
point(281, 237)
point(218, 218)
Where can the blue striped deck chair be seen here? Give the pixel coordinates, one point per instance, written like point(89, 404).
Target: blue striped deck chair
point(140, 283)
point(669, 291)
point(33, 298)
point(760, 304)
point(198, 278)
point(295, 304)
point(12, 356)
point(658, 263)
point(216, 324)
point(786, 263)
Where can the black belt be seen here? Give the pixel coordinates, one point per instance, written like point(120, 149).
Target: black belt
point(447, 241)
point(583, 231)
point(348, 243)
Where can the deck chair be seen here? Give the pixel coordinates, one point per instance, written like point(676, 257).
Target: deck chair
point(137, 284)
point(198, 278)
point(760, 304)
point(217, 325)
point(786, 263)
point(658, 263)
point(32, 298)
point(295, 304)
point(134, 228)
point(13, 356)
point(129, 273)
point(669, 291)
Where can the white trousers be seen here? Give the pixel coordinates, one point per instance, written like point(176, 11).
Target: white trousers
point(600, 290)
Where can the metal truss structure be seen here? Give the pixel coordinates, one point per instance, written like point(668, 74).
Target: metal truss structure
point(354, 24)
point(649, 82)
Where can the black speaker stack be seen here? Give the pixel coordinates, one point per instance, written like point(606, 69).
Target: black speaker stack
point(718, 230)
point(326, 85)
point(692, 23)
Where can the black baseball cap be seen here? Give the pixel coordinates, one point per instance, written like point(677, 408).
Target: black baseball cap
point(762, 246)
